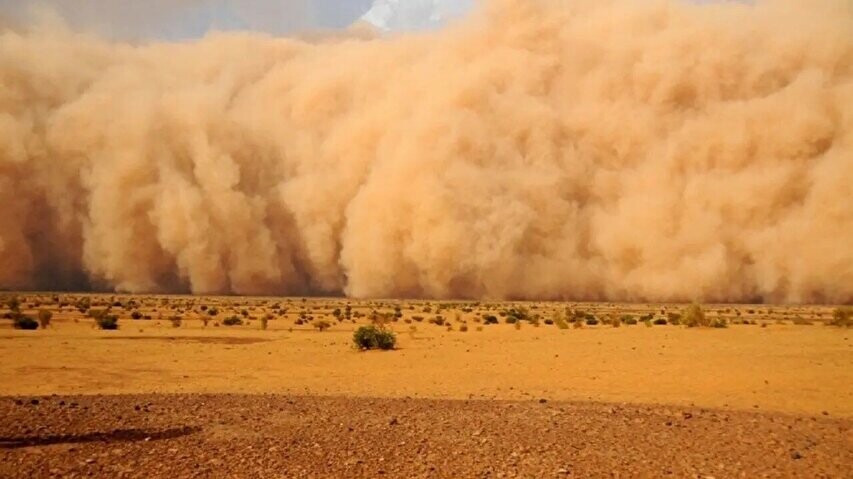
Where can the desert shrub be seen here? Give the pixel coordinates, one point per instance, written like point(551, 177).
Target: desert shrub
point(418, 318)
point(96, 313)
point(322, 325)
point(673, 318)
point(463, 328)
point(549, 322)
point(438, 320)
point(490, 319)
point(842, 317)
point(232, 321)
point(719, 323)
point(107, 321)
point(518, 314)
point(511, 320)
point(373, 337)
point(13, 303)
point(22, 321)
point(694, 316)
point(212, 311)
point(44, 318)
point(176, 321)
point(659, 322)
point(136, 315)
point(591, 321)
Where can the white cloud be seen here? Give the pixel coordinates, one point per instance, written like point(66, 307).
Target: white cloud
point(397, 15)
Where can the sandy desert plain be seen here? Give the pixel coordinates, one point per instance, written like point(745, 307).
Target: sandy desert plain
point(554, 389)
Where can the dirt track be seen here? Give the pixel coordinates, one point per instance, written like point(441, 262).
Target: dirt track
point(283, 436)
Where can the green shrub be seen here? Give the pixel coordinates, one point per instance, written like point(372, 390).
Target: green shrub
point(232, 321)
point(22, 321)
point(373, 337)
point(107, 321)
point(44, 318)
point(490, 319)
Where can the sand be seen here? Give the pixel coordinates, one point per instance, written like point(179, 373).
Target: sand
point(771, 395)
point(803, 369)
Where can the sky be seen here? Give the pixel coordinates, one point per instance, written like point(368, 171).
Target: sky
point(187, 19)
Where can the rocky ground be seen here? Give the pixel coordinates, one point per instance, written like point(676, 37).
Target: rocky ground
point(180, 436)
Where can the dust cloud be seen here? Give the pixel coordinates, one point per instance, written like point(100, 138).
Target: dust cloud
point(584, 149)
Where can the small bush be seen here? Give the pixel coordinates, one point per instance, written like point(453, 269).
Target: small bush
point(695, 317)
point(322, 325)
point(232, 321)
point(463, 328)
point(373, 337)
point(842, 317)
point(591, 321)
point(490, 319)
point(107, 321)
point(21, 321)
point(659, 322)
point(44, 318)
point(176, 321)
point(674, 318)
point(136, 315)
point(438, 320)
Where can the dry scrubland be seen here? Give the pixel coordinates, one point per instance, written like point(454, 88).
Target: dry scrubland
point(788, 359)
point(273, 387)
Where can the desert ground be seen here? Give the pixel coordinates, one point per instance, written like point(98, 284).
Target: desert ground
point(472, 389)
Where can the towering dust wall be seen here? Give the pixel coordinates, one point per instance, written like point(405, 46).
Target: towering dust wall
point(582, 149)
